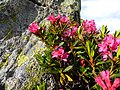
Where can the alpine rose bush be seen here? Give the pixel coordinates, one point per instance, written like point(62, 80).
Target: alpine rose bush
point(79, 56)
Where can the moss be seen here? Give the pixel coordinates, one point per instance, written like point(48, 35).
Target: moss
point(26, 38)
point(22, 59)
point(34, 74)
point(4, 61)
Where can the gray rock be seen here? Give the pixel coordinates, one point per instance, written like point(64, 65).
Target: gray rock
point(15, 16)
point(18, 45)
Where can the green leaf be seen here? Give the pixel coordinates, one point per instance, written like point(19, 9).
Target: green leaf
point(62, 75)
point(82, 57)
point(79, 31)
point(104, 31)
point(61, 44)
point(88, 47)
point(92, 53)
point(102, 62)
point(53, 64)
point(80, 47)
point(80, 52)
point(68, 77)
point(61, 81)
point(118, 52)
point(116, 75)
point(42, 86)
point(85, 70)
point(76, 42)
point(117, 33)
point(68, 68)
point(38, 88)
point(56, 38)
point(50, 39)
point(52, 70)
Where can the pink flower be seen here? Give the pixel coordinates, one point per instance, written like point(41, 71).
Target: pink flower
point(104, 81)
point(106, 54)
point(52, 18)
point(106, 76)
point(82, 62)
point(33, 27)
point(67, 33)
point(64, 56)
point(108, 46)
point(70, 32)
point(109, 40)
point(59, 53)
point(116, 84)
point(100, 82)
point(64, 19)
point(55, 54)
point(89, 26)
point(118, 41)
point(102, 47)
point(74, 30)
point(114, 48)
point(58, 17)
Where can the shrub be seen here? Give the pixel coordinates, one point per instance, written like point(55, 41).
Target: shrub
point(80, 57)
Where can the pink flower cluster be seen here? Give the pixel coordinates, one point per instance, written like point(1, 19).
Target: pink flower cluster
point(104, 81)
point(89, 26)
point(74, 31)
point(33, 27)
point(59, 53)
point(70, 32)
point(62, 19)
point(108, 45)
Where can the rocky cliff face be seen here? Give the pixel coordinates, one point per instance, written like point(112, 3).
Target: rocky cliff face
point(15, 16)
point(18, 46)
